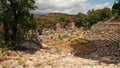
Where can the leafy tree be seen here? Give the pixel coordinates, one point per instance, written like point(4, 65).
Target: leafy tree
point(116, 8)
point(94, 16)
point(17, 20)
point(81, 20)
point(67, 21)
point(106, 13)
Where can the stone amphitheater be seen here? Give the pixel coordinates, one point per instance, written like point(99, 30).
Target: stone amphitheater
point(104, 38)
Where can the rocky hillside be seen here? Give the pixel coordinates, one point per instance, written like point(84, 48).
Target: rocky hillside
point(97, 48)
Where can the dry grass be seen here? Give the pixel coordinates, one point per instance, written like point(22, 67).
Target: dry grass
point(75, 44)
point(83, 46)
point(63, 47)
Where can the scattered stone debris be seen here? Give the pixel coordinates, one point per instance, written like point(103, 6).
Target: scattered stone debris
point(107, 54)
point(43, 58)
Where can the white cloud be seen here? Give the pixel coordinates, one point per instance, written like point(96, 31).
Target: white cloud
point(97, 6)
point(102, 5)
point(61, 6)
point(65, 6)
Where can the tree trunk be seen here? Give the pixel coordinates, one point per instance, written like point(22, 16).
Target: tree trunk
point(14, 33)
point(6, 32)
point(15, 23)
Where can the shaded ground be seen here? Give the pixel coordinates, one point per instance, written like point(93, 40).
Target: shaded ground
point(104, 54)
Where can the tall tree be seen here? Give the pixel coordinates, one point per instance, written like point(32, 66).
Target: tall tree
point(81, 20)
point(94, 16)
point(116, 8)
point(106, 13)
point(16, 19)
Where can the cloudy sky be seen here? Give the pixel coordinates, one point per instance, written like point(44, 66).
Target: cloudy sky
point(70, 6)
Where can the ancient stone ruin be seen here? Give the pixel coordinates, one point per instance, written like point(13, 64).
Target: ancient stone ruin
point(61, 34)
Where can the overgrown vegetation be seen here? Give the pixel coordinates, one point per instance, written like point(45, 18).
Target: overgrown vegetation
point(50, 20)
point(80, 19)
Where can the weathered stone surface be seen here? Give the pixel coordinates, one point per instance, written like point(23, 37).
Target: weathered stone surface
point(9, 63)
point(19, 66)
point(1, 66)
point(47, 67)
point(29, 64)
point(45, 59)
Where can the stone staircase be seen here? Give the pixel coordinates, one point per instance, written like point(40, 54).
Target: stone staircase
point(109, 46)
point(105, 36)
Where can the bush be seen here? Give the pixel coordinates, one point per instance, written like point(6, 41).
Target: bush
point(81, 20)
point(94, 16)
point(106, 13)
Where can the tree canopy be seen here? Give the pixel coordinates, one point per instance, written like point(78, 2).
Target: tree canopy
point(16, 19)
point(116, 8)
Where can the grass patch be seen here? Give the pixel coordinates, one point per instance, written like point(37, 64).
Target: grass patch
point(79, 41)
point(82, 46)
